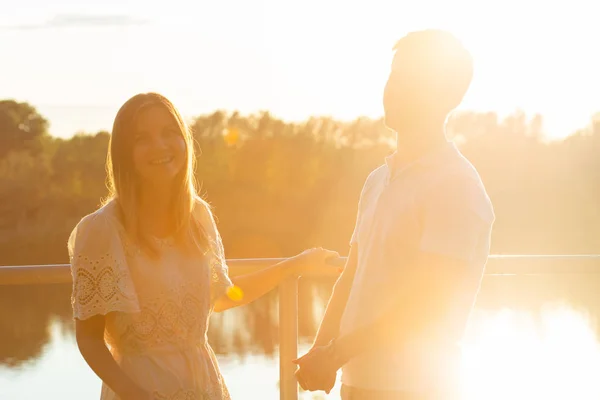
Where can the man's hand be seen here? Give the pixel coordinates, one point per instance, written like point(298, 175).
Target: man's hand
point(318, 370)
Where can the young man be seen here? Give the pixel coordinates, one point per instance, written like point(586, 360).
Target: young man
point(419, 248)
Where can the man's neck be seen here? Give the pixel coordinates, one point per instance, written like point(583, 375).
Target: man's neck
point(413, 144)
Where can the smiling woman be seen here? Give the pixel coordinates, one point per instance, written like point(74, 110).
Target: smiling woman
point(149, 266)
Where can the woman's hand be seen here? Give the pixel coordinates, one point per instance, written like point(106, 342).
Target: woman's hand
point(317, 261)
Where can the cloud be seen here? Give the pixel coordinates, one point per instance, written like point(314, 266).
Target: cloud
point(80, 21)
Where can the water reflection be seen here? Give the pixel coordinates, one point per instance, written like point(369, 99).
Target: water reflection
point(27, 311)
point(511, 354)
point(530, 336)
point(25, 316)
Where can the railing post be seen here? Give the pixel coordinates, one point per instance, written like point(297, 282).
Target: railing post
point(288, 338)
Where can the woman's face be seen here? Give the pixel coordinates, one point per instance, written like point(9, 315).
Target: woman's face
point(159, 148)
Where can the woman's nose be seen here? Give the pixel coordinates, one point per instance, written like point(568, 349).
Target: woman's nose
point(159, 143)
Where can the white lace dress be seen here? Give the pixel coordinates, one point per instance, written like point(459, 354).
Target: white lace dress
point(157, 311)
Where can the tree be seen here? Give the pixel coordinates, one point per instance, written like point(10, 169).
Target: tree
point(20, 126)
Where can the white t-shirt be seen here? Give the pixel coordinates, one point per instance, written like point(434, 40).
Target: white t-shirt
point(438, 205)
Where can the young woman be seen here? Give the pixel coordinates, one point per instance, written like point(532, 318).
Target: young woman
point(148, 267)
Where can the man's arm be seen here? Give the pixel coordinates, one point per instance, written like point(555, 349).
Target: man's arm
point(330, 325)
point(418, 302)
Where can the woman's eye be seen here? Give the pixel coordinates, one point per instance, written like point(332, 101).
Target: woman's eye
point(139, 138)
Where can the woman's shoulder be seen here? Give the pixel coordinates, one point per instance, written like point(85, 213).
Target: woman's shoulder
point(96, 233)
point(199, 202)
point(203, 215)
point(104, 218)
point(202, 210)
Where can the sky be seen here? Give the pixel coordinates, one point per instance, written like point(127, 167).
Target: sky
point(78, 61)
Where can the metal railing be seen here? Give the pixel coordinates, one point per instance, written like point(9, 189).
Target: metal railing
point(288, 292)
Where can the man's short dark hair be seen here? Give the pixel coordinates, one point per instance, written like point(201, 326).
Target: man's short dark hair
point(438, 63)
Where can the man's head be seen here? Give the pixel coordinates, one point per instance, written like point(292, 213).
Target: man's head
point(431, 73)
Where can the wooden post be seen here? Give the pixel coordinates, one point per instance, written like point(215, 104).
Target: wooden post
point(288, 338)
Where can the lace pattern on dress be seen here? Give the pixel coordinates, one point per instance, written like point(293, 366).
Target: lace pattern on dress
point(101, 279)
point(219, 393)
point(178, 318)
point(100, 286)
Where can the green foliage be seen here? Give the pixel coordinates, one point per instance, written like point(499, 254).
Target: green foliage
point(20, 126)
point(280, 187)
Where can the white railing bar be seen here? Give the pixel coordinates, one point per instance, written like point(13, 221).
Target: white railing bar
point(497, 265)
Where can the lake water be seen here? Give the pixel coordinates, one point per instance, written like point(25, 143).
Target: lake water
point(508, 354)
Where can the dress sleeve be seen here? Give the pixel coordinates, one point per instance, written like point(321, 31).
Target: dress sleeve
point(219, 272)
point(101, 279)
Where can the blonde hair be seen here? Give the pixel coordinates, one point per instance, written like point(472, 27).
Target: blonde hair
point(123, 184)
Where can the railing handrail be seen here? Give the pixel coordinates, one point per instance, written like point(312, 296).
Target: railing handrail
point(61, 273)
point(498, 264)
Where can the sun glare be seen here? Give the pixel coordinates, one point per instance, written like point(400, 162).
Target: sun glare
point(523, 61)
point(512, 355)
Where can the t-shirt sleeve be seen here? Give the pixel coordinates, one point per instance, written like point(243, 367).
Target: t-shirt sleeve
point(101, 279)
point(457, 215)
point(361, 203)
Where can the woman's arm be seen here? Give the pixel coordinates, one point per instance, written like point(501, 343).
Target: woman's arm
point(256, 284)
point(90, 340)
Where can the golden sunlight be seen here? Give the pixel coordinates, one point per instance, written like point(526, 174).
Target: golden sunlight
point(290, 139)
point(513, 355)
point(523, 62)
